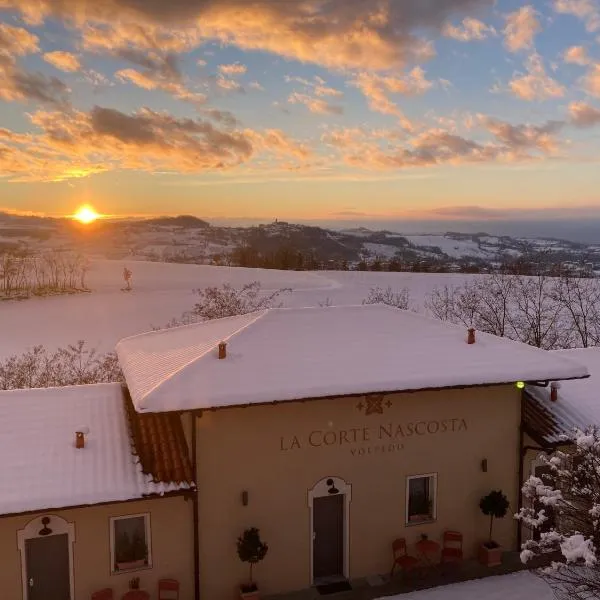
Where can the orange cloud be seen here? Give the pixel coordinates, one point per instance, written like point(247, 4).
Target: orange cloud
point(376, 89)
point(64, 61)
point(469, 30)
point(586, 10)
point(19, 85)
point(379, 35)
point(76, 144)
point(591, 81)
point(16, 41)
point(583, 115)
point(385, 150)
point(520, 29)
point(233, 69)
point(536, 84)
point(315, 105)
point(576, 55)
point(154, 81)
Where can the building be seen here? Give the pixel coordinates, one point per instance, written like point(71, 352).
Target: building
point(74, 520)
point(333, 430)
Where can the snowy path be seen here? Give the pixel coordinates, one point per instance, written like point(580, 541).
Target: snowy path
point(516, 586)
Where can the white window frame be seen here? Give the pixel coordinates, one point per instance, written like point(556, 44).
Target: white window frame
point(148, 531)
point(433, 477)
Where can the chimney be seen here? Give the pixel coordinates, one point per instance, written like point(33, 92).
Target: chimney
point(222, 350)
point(554, 387)
point(471, 336)
point(79, 439)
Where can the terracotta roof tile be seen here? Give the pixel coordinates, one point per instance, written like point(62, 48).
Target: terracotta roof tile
point(159, 442)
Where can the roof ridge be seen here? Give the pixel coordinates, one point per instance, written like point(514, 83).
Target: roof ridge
point(258, 315)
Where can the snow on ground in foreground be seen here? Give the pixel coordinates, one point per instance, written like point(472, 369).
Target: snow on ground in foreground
point(162, 291)
point(516, 586)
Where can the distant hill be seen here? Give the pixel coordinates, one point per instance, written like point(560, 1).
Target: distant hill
point(187, 221)
point(189, 239)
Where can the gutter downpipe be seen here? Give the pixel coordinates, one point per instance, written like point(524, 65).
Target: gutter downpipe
point(195, 416)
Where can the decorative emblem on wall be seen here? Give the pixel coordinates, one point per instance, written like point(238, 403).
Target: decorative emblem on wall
point(373, 405)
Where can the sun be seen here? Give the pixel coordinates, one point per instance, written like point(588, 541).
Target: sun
point(86, 214)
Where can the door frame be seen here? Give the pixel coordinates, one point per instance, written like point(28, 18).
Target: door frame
point(33, 530)
point(322, 489)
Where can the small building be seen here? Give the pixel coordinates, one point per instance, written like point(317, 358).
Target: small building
point(336, 430)
point(92, 495)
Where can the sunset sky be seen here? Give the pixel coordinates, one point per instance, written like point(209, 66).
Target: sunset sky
point(301, 109)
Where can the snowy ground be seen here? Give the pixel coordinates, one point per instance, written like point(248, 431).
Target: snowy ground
point(451, 247)
point(162, 291)
point(517, 586)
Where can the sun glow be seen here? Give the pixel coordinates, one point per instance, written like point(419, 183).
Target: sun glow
point(86, 214)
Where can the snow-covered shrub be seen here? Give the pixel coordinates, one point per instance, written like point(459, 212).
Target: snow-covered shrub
point(400, 299)
point(227, 301)
point(73, 365)
point(571, 491)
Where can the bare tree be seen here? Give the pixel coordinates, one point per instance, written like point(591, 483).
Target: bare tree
point(48, 273)
point(400, 299)
point(571, 493)
point(536, 319)
point(441, 303)
point(539, 310)
point(227, 301)
point(495, 303)
point(580, 302)
point(73, 365)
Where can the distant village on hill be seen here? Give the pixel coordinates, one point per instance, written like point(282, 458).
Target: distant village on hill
point(286, 246)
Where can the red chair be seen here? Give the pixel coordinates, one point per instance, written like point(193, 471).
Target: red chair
point(452, 547)
point(105, 594)
point(401, 557)
point(168, 589)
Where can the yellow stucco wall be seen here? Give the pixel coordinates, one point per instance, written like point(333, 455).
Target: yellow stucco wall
point(278, 453)
point(172, 548)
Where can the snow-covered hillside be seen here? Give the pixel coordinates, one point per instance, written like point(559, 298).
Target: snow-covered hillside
point(162, 291)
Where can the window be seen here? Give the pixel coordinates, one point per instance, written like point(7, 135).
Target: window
point(421, 498)
point(130, 543)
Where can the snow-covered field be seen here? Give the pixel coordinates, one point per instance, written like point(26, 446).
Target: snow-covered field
point(517, 586)
point(162, 291)
point(451, 247)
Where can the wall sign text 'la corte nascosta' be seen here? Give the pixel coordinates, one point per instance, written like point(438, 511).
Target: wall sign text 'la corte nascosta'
point(388, 433)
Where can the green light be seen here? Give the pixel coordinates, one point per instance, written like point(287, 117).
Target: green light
point(520, 384)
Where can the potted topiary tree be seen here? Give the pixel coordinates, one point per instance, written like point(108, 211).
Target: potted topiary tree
point(251, 549)
point(494, 505)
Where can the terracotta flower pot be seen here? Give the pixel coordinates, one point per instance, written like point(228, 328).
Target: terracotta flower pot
point(490, 557)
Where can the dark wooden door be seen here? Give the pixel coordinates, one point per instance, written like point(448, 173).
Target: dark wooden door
point(328, 536)
point(47, 562)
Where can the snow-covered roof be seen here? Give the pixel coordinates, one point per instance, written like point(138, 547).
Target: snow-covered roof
point(578, 401)
point(278, 355)
point(40, 467)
